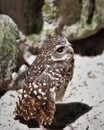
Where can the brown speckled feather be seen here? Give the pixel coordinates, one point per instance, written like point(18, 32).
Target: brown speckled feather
point(46, 81)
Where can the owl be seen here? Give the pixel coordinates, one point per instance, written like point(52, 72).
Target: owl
point(46, 81)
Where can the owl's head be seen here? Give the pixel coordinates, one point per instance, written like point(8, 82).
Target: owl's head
point(59, 49)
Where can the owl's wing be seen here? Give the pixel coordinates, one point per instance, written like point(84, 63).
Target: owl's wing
point(35, 70)
point(61, 75)
point(38, 100)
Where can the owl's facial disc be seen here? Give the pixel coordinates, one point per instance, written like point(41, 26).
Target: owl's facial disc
point(62, 53)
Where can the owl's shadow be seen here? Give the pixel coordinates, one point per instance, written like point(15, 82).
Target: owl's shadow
point(66, 113)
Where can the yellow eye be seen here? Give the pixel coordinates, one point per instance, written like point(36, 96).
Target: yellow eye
point(60, 49)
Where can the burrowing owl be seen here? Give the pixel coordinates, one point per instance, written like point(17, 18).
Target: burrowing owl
point(46, 81)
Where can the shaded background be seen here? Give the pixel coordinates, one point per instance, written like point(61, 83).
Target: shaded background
point(81, 21)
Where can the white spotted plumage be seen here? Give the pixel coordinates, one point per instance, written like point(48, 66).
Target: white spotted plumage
point(46, 81)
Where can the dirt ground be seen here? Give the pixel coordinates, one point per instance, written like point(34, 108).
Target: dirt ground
point(87, 86)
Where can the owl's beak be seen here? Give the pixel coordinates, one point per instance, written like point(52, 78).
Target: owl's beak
point(71, 50)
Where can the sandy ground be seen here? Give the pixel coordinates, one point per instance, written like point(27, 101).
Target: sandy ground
point(87, 86)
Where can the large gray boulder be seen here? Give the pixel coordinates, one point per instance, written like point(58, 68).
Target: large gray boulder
point(9, 41)
point(75, 19)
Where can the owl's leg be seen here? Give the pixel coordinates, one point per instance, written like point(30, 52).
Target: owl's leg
point(42, 127)
point(71, 127)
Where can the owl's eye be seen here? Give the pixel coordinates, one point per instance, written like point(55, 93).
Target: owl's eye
point(60, 49)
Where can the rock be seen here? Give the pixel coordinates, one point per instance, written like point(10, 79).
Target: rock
point(91, 20)
point(27, 14)
point(69, 12)
point(90, 46)
point(9, 38)
point(81, 21)
point(75, 19)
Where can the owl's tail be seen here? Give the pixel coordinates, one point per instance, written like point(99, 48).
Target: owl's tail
point(24, 108)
